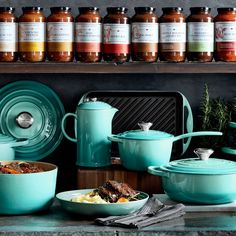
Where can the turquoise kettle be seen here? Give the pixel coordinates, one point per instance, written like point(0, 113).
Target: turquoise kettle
point(93, 124)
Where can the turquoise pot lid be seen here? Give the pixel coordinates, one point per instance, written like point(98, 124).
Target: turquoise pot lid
point(93, 104)
point(31, 110)
point(198, 166)
point(144, 133)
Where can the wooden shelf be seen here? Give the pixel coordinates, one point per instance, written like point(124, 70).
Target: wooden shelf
point(110, 68)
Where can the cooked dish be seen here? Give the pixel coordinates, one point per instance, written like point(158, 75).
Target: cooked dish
point(110, 192)
point(19, 168)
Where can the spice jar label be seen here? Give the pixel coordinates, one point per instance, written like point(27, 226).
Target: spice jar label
point(32, 32)
point(88, 32)
point(200, 36)
point(144, 32)
point(60, 32)
point(172, 32)
point(8, 36)
point(225, 36)
point(116, 34)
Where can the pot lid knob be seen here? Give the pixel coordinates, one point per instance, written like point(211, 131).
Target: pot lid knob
point(90, 99)
point(145, 126)
point(203, 153)
point(24, 120)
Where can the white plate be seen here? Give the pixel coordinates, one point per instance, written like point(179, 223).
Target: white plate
point(91, 209)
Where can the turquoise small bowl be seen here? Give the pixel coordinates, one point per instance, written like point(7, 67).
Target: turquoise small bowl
point(27, 193)
point(98, 209)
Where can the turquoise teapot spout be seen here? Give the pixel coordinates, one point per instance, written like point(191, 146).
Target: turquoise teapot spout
point(93, 124)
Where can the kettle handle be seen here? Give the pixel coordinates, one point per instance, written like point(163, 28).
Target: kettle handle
point(63, 126)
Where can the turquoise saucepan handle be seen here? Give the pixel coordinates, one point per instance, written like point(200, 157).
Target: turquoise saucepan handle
point(114, 138)
point(189, 122)
point(20, 142)
point(63, 126)
point(155, 170)
point(200, 133)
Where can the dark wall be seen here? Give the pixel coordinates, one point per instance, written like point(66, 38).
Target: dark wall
point(71, 87)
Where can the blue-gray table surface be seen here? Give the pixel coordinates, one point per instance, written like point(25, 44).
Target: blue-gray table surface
point(56, 221)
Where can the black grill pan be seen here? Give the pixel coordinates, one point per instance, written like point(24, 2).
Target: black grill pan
point(168, 111)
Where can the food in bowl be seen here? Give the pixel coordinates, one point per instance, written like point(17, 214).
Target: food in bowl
point(110, 192)
point(27, 193)
point(19, 168)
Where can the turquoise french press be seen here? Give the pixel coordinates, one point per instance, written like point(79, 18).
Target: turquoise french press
point(93, 124)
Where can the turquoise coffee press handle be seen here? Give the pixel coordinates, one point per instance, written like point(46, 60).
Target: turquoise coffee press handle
point(63, 126)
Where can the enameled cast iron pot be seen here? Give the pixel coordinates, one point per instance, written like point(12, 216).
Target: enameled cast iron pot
point(199, 181)
point(29, 192)
point(142, 148)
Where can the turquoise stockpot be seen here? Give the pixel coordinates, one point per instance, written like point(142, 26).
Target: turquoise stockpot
point(93, 123)
point(142, 148)
point(27, 193)
point(7, 145)
point(198, 181)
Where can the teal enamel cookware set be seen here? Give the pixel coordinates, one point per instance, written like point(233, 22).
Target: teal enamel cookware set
point(34, 124)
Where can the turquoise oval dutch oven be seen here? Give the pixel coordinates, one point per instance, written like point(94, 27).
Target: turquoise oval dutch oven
point(27, 193)
point(198, 180)
point(139, 149)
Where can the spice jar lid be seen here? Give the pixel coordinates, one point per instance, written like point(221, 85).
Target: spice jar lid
point(198, 9)
point(168, 9)
point(144, 9)
point(226, 9)
point(60, 8)
point(117, 9)
point(83, 9)
point(32, 8)
point(2, 9)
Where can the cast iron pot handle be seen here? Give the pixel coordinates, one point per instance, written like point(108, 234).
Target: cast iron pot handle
point(155, 170)
point(114, 138)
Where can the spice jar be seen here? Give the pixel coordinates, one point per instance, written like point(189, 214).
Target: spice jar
point(144, 28)
point(60, 35)
point(88, 35)
point(8, 35)
point(200, 35)
point(172, 45)
point(225, 36)
point(32, 34)
point(116, 35)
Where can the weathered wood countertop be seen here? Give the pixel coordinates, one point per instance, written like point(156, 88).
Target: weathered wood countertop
point(57, 222)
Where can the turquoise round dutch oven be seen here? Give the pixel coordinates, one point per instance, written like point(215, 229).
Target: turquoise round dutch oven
point(142, 148)
point(27, 193)
point(199, 181)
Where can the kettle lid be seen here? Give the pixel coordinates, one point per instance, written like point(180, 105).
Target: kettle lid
point(93, 104)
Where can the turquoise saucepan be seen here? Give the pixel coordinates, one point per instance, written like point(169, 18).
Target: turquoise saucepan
point(139, 149)
point(7, 146)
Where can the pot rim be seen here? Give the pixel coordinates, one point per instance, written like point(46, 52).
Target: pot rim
point(193, 173)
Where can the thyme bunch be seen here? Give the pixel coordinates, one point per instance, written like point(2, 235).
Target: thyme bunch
point(214, 115)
